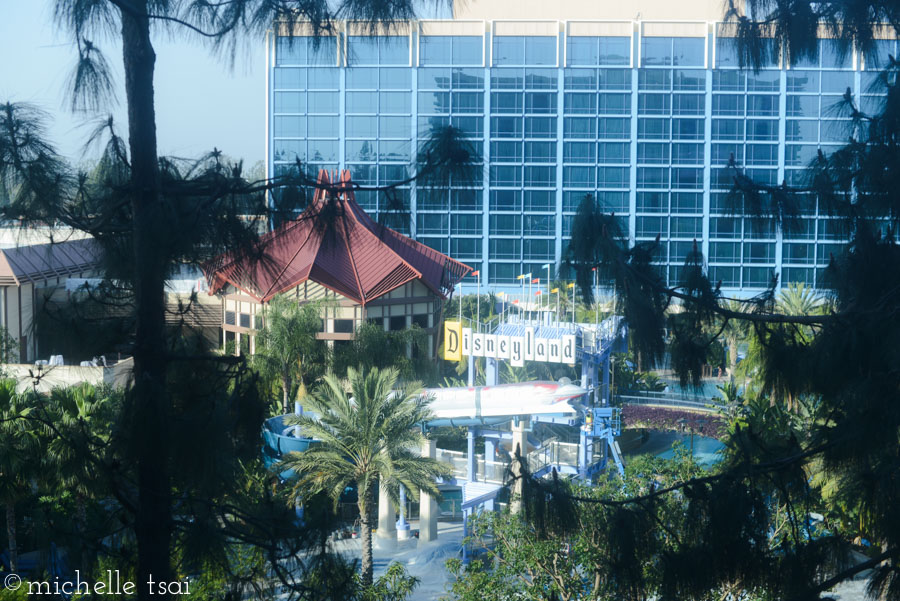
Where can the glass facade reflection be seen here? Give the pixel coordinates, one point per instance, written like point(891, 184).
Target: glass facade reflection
point(644, 123)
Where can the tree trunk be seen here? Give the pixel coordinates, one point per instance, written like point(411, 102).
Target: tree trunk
point(286, 385)
point(732, 355)
point(11, 535)
point(153, 524)
point(366, 519)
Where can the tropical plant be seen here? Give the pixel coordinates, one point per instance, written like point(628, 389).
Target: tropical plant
point(366, 433)
point(20, 445)
point(287, 348)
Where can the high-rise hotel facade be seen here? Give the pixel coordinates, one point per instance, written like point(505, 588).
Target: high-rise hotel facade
point(639, 103)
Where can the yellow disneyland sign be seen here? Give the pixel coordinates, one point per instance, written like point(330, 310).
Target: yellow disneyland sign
point(452, 341)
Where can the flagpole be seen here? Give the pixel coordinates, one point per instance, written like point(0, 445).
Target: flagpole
point(478, 301)
point(596, 296)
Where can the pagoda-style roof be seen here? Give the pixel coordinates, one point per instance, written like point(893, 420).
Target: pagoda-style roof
point(336, 244)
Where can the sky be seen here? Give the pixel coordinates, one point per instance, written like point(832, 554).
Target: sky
point(201, 101)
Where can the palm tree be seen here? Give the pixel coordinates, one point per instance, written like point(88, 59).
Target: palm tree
point(83, 419)
point(368, 432)
point(734, 331)
point(287, 347)
point(799, 299)
point(19, 453)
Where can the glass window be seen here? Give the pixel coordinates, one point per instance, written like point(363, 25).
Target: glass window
point(724, 227)
point(539, 225)
point(540, 152)
point(541, 79)
point(688, 104)
point(652, 202)
point(505, 175)
point(614, 104)
point(507, 79)
point(540, 176)
point(653, 177)
point(610, 127)
point(762, 106)
point(687, 202)
point(509, 50)
point(764, 81)
point(505, 248)
point(290, 127)
point(468, 102)
point(323, 127)
point(290, 102)
point(540, 127)
point(434, 79)
point(361, 102)
point(877, 57)
point(431, 102)
point(435, 50)
point(687, 129)
point(685, 52)
point(508, 225)
point(540, 200)
point(290, 79)
point(468, 79)
point(323, 150)
point(578, 177)
point(580, 79)
point(506, 200)
point(689, 80)
point(653, 129)
point(506, 152)
point(323, 79)
point(468, 50)
point(361, 78)
point(506, 127)
point(465, 223)
point(613, 177)
point(654, 104)
point(580, 127)
point(801, 131)
point(615, 79)
point(725, 252)
point(803, 81)
point(615, 50)
point(579, 152)
point(687, 178)
point(762, 129)
point(323, 102)
point(393, 150)
point(394, 102)
point(394, 127)
point(727, 129)
point(289, 150)
point(395, 79)
point(582, 51)
point(727, 52)
point(655, 80)
point(728, 81)
point(539, 250)
point(727, 105)
point(651, 227)
point(465, 200)
point(653, 153)
point(540, 50)
point(360, 150)
point(686, 227)
point(803, 106)
point(687, 154)
point(576, 103)
point(540, 102)
point(656, 52)
point(471, 127)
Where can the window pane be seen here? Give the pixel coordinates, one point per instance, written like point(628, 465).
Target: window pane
point(689, 52)
point(509, 50)
point(540, 50)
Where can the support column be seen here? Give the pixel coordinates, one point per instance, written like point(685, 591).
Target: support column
point(387, 529)
point(471, 370)
point(471, 460)
point(606, 401)
point(582, 453)
point(428, 509)
point(520, 445)
point(402, 524)
point(490, 454)
point(491, 372)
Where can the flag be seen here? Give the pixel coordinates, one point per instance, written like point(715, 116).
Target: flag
point(521, 276)
point(516, 302)
point(546, 266)
point(538, 293)
point(555, 290)
point(593, 269)
point(528, 276)
point(536, 281)
point(571, 285)
point(476, 273)
point(501, 294)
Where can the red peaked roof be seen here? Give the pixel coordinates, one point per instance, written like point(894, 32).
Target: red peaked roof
point(336, 244)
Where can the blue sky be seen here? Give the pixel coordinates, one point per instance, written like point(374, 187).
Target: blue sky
point(201, 102)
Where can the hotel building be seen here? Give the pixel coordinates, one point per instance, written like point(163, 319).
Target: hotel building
point(639, 103)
